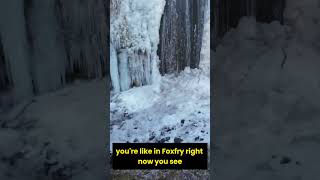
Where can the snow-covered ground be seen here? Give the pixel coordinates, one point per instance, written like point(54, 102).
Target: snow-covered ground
point(58, 135)
point(179, 112)
point(267, 98)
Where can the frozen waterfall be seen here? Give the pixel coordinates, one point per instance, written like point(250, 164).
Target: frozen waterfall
point(134, 39)
point(153, 37)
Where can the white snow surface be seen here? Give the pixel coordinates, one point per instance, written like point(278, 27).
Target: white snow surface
point(65, 127)
point(181, 109)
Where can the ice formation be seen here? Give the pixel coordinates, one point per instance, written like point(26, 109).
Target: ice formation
point(135, 36)
point(205, 48)
point(47, 44)
point(114, 71)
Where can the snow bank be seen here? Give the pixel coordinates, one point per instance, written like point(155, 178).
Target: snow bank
point(269, 80)
point(63, 128)
point(304, 17)
point(137, 99)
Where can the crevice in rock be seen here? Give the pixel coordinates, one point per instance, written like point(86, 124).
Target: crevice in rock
point(5, 79)
point(284, 60)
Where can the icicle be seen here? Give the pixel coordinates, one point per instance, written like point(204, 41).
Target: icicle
point(188, 35)
point(114, 73)
point(136, 69)
point(205, 48)
point(124, 70)
point(147, 67)
point(156, 77)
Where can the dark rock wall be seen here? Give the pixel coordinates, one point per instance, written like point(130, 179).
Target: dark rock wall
point(5, 79)
point(181, 35)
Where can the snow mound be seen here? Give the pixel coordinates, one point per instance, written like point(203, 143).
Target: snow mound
point(137, 99)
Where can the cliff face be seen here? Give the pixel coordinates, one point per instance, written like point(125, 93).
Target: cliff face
point(46, 44)
point(181, 35)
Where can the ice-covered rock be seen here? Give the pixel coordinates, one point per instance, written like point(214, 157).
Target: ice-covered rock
point(135, 36)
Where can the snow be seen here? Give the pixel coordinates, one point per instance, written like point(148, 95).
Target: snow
point(304, 18)
point(137, 99)
point(266, 76)
point(181, 109)
point(64, 128)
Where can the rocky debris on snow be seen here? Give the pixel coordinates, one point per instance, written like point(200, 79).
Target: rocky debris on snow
point(177, 140)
